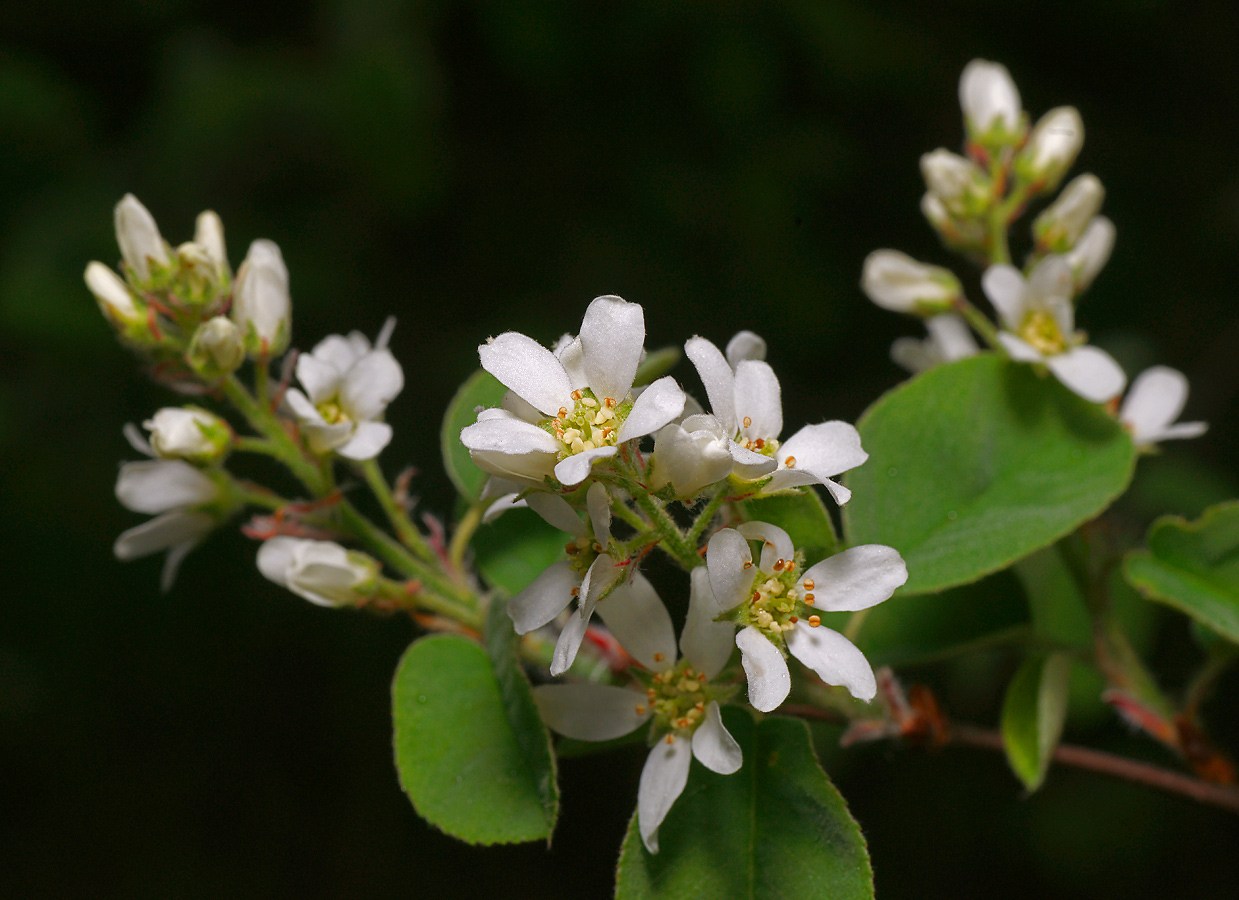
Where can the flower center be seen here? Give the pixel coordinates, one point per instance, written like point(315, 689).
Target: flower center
point(332, 412)
point(677, 697)
point(591, 423)
point(582, 552)
point(1041, 331)
point(776, 603)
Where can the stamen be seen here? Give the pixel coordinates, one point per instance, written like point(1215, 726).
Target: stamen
point(610, 402)
point(748, 422)
point(589, 401)
point(759, 443)
point(576, 395)
point(658, 657)
point(670, 739)
point(815, 621)
point(571, 548)
point(640, 709)
point(748, 564)
point(778, 565)
point(808, 599)
point(563, 412)
point(808, 584)
point(576, 592)
point(790, 462)
point(793, 620)
point(756, 596)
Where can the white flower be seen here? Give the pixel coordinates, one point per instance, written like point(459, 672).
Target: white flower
point(693, 454)
point(1062, 223)
point(587, 575)
point(949, 339)
point(1091, 252)
point(990, 101)
point(958, 182)
point(113, 294)
point(217, 347)
point(209, 235)
point(897, 282)
point(777, 607)
point(261, 305)
point(1156, 398)
point(745, 399)
point(572, 407)
point(348, 385)
point(177, 495)
point(139, 238)
point(686, 717)
point(1039, 321)
point(1052, 147)
point(188, 433)
point(322, 572)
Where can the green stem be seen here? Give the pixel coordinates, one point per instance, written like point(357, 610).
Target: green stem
point(706, 516)
point(980, 323)
point(282, 446)
point(671, 539)
point(855, 622)
point(465, 530)
point(998, 216)
point(396, 514)
point(621, 511)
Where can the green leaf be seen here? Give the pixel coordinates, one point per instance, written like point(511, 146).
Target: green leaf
point(514, 549)
point(775, 829)
point(803, 516)
point(1194, 567)
point(1033, 713)
point(458, 756)
point(479, 389)
point(656, 364)
point(1058, 608)
point(975, 464)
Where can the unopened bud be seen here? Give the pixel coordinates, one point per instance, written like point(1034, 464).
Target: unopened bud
point(953, 179)
point(139, 238)
point(1091, 252)
point(1059, 227)
point(1052, 147)
point(990, 102)
point(209, 235)
point(113, 294)
point(217, 348)
point(188, 433)
point(322, 572)
point(261, 305)
point(896, 281)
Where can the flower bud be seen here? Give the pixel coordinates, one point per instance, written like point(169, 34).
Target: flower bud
point(209, 235)
point(188, 433)
point(1052, 147)
point(1091, 252)
point(897, 282)
point(217, 348)
point(691, 456)
point(113, 294)
point(261, 305)
point(1059, 227)
point(952, 178)
point(322, 572)
point(139, 238)
point(990, 102)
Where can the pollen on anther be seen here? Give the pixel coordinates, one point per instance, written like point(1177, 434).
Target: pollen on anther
point(748, 422)
point(759, 443)
point(610, 402)
point(640, 709)
point(809, 598)
point(576, 592)
point(563, 412)
point(815, 621)
point(576, 395)
point(790, 462)
point(748, 564)
point(794, 619)
point(670, 739)
point(808, 584)
point(658, 657)
point(756, 596)
point(779, 564)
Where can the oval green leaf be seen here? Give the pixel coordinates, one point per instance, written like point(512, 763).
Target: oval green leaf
point(514, 549)
point(479, 389)
point(976, 464)
point(1033, 713)
point(459, 758)
point(775, 829)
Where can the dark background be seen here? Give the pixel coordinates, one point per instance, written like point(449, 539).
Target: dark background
point(475, 167)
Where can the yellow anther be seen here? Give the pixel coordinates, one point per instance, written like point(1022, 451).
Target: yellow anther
point(651, 694)
point(808, 599)
point(748, 422)
point(759, 443)
point(778, 565)
point(670, 739)
point(571, 548)
point(563, 412)
point(793, 620)
point(589, 401)
point(748, 564)
point(658, 657)
point(815, 621)
point(808, 584)
point(576, 395)
point(790, 462)
point(576, 592)
point(640, 709)
point(610, 402)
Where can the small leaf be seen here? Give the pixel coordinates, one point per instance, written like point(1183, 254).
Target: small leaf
point(656, 364)
point(458, 756)
point(514, 549)
point(803, 516)
point(479, 389)
point(1033, 713)
point(1194, 567)
point(977, 463)
point(775, 829)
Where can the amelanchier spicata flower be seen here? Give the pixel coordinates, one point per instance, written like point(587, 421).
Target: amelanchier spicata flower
point(261, 304)
point(897, 282)
point(1052, 147)
point(348, 385)
point(776, 602)
point(179, 496)
point(697, 452)
point(956, 181)
point(679, 697)
point(745, 397)
point(216, 348)
point(322, 572)
point(990, 103)
point(1039, 327)
point(1063, 222)
point(140, 242)
point(115, 300)
point(571, 408)
point(949, 339)
point(588, 574)
point(1156, 398)
point(1091, 252)
point(188, 433)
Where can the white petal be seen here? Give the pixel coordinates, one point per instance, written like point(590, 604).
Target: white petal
point(758, 400)
point(713, 744)
point(528, 368)
point(385, 333)
point(138, 236)
point(162, 532)
point(556, 512)
point(749, 464)
point(367, 442)
point(544, 597)
point(827, 449)
point(913, 354)
point(501, 504)
point(727, 556)
point(662, 781)
point(572, 470)
point(172, 564)
point(158, 485)
point(570, 355)
point(112, 293)
point(857, 578)
point(275, 556)
point(529, 469)
point(1089, 372)
point(1156, 398)
point(951, 337)
point(599, 578)
point(320, 378)
point(1006, 289)
point(505, 435)
point(590, 712)
point(515, 406)
point(658, 404)
point(325, 438)
point(305, 411)
point(598, 503)
point(690, 461)
point(1183, 430)
point(1051, 287)
point(766, 669)
point(776, 544)
point(612, 337)
point(786, 478)
point(705, 643)
point(636, 616)
point(834, 658)
point(745, 345)
point(568, 644)
point(372, 383)
point(136, 440)
point(1019, 349)
point(338, 352)
point(718, 378)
